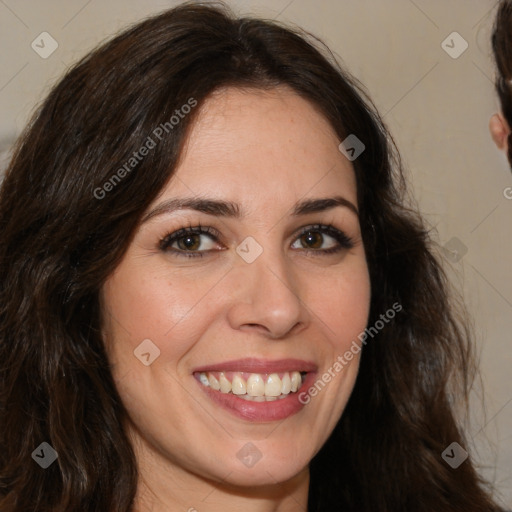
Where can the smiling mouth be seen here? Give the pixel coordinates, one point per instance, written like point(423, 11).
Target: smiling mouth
point(255, 387)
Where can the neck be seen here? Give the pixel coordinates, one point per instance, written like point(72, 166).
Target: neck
point(208, 496)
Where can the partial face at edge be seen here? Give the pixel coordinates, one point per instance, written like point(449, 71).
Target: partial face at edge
point(499, 131)
point(204, 303)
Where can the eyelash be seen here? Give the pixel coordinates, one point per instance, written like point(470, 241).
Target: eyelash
point(344, 241)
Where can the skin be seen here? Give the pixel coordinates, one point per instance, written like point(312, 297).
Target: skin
point(265, 151)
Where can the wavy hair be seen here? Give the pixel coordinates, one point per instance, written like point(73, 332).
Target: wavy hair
point(60, 242)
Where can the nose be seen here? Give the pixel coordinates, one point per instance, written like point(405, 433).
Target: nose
point(267, 298)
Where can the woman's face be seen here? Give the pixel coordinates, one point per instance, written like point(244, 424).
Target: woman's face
point(248, 268)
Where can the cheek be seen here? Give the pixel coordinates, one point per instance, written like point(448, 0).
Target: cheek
point(342, 304)
point(139, 304)
point(148, 302)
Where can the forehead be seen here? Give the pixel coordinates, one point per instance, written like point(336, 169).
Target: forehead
point(247, 142)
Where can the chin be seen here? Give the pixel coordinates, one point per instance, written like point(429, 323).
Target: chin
point(255, 468)
point(263, 473)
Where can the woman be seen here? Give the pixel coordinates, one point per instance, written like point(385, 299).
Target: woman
point(213, 294)
point(500, 123)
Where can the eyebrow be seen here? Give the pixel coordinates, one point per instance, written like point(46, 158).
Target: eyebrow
point(233, 210)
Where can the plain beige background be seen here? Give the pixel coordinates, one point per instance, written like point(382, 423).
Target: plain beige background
point(436, 106)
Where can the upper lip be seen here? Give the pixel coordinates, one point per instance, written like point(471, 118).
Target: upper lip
point(254, 365)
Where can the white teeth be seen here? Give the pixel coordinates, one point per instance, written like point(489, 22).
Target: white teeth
point(255, 385)
point(255, 398)
point(261, 398)
point(273, 385)
point(286, 384)
point(238, 385)
point(214, 383)
point(296, 381)
point(256, 388)
point(225, 385)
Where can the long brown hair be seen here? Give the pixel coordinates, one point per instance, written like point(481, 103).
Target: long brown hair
point(501, 40)
point(61, 239)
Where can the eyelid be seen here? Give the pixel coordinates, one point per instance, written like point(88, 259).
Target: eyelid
point(344, 242)
point(173, 236)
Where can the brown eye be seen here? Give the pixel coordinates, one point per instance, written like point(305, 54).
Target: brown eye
point(189, 242)
point(322, 239)
point(312, 240)
point(194, 241)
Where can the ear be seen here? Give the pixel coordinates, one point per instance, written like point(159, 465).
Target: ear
point(499, 131)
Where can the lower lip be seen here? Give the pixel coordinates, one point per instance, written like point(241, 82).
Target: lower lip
point(261, 411)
